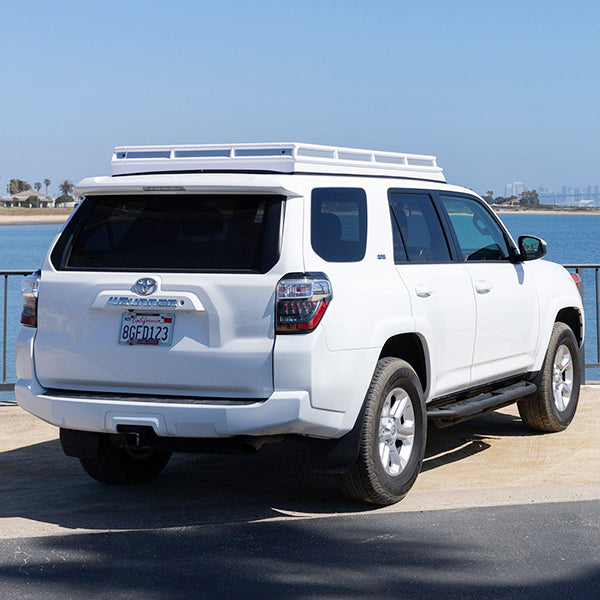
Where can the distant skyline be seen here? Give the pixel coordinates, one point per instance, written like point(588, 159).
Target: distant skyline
point(586, 195)
point(517, 187)
point(499, 92)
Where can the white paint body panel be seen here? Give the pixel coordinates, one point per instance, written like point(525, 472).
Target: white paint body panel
point(77, 349)
point(224, 346)
point(443, 306)
point(508, 319)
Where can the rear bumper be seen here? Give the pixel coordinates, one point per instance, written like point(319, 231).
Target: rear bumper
point(288, 412)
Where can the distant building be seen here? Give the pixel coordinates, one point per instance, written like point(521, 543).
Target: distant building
point(21, 199)
point(588, 195)
point(585, 195)
point(514, 189)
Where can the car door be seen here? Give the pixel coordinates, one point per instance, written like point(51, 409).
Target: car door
point(440, 288)
point(505, 293)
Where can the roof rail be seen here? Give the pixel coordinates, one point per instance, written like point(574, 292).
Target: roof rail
point(279, 157)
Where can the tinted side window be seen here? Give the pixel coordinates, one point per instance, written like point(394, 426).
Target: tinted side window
point(478, 234)
point(338, 226)
point(419, 228)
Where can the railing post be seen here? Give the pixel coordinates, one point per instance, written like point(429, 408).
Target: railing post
point(4, 322)
point(583, 359)
point(596, 308)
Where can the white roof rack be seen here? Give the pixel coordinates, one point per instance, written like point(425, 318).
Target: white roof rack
point(280, 157)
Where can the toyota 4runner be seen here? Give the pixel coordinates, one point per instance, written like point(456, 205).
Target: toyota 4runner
point(219, 297)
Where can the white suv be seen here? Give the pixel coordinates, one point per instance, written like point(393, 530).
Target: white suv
point(212, 298)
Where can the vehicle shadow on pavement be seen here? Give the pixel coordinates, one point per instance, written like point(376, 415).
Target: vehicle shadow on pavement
point(39, 483)
point(451, 444)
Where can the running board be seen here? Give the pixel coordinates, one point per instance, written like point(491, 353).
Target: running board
point(462, 410)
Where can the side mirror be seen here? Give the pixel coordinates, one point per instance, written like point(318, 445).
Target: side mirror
point(532, 248)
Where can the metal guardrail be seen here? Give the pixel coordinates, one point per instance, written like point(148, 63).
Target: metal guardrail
point(594, 271)
point(4, 384)
point(580, 269)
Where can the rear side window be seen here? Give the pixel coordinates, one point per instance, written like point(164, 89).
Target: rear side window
point(418, 233)
point(339, 223)
point(172, 233)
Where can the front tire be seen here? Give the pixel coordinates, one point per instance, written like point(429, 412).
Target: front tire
point(393, 436)
point(553, 406)
point(120, 466)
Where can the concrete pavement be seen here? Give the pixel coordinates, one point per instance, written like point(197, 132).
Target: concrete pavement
point(490, 461)
point(497, 513)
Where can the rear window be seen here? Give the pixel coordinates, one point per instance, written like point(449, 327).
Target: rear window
point(172, 233)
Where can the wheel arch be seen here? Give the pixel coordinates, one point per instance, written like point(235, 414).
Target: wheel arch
point(559, 311)
point(571, 316)
point(410, 348)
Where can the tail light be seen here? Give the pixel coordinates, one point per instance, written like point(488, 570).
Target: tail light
point(302, 299)
point(29, 291)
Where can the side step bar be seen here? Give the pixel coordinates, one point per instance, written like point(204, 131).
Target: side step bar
point(462, 410)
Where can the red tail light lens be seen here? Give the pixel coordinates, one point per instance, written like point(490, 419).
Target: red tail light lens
point(302, 299)
point(29, 291)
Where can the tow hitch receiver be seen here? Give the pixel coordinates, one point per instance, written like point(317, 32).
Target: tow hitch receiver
point(134, 437)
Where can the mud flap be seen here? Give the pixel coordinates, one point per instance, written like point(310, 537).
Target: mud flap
point(80, 444)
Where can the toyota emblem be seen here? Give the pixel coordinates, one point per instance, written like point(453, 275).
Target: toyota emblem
point(144, 286)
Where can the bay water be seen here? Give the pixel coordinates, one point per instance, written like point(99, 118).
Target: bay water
point(571, 238)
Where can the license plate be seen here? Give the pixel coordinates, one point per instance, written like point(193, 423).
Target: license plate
point(145, 329)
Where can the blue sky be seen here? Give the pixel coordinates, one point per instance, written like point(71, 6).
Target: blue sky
point(498, 90)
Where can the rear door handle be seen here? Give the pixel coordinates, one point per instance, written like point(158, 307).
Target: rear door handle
point(482, 286)
point(423, 291)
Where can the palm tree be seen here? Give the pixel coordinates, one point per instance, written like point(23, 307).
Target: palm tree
point(47, 182)
point(66, 187)
point(37, 185)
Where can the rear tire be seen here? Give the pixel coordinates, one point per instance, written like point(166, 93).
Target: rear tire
point(553, 407)
point(119, 466)
point(393, 435)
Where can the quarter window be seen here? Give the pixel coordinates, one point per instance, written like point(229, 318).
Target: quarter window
point(479, 236)
point(416, 228)
point(339, 223)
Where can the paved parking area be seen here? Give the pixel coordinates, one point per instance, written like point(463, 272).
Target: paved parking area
point(510, 510)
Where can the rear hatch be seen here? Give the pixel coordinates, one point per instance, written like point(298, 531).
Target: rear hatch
point(163, 295)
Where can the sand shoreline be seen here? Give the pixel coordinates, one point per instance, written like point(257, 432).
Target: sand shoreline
point(32, 219)
point(516, 211)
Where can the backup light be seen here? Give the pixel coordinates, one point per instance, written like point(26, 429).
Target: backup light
point(301, 301)
point(29, 291)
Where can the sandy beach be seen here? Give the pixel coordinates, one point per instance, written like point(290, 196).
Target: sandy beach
point(33, 216)
point(32, 220)
point(551, 211)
